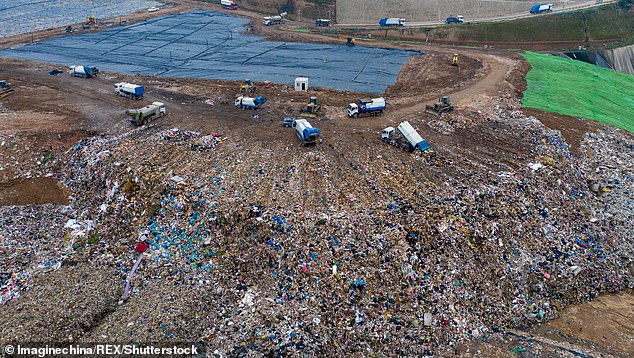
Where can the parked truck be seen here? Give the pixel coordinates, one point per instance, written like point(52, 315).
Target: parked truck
point(146, 114)
point(539, 8)
point(272, 20)
point(249, 102)
point(83, 71)
point(322, 22)
point(305, 132)
point(409, 139)
point(392, 21)
point(129, 90)
point(366, 106)
point(229, 4)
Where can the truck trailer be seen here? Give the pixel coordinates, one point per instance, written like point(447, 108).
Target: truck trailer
point(305, 132)
point(141, 116)
point(392, 21)
point(409, 138)
point(129, 90)
point(229, 4)
point(367, 106)
point(539, 8)
point(249, 102)
point(83, 71)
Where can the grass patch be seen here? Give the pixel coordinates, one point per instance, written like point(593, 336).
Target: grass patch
point(579, 89)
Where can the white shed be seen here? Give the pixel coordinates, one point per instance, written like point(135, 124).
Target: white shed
point(301, 84)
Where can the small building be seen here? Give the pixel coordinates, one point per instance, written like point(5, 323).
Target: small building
point(301, 84)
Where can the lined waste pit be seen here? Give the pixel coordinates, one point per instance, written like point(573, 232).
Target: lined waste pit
point(33, 191)
point(22, 16)
point(212, 45)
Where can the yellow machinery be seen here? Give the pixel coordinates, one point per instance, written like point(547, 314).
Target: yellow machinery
point(455, 60)
point(5, 89)
point(312, 107)
point(247, 87)
point(92, 20)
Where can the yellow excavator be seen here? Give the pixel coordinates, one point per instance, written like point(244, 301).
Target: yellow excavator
point(91, 20)
point(5, 88)
point(247, 88)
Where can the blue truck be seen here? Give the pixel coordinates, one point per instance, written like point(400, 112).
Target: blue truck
point(539, 8)
point(305, 132)
point(392, 21)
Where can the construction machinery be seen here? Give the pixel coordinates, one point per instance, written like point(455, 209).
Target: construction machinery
point(409, 139)
point(142, 116)
point(249, 102)
point(91, 20)
point(83, 71)
point(441, 107)
point(129, 90)
point(455, 59)
point(367, 106)
point(312, 107)
point(305, 132)
point(5, 88)
point(247, 88)
point(350, 41)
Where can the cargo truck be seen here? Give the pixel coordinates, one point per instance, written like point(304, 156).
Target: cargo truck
point(83, 71)
point(129, 90)
point(392, 21)
point(366, 106)
point(539, 8)
point(249, 102)
point(146, 114)
point(229, 4)
point(305, 132)
point(409, 138)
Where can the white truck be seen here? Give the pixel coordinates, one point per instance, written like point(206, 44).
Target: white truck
point(129, 90)
point(249, 102)
point(274, 20)
point(229, 4)
point(367, 106)
point(146, 114)
point(83, 71)
point(409, 138)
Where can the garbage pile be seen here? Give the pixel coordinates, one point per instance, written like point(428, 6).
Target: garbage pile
point(320, 252)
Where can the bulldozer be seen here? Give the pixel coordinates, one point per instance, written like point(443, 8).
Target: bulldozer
point(5, 88)
point(311, 108)
point(247, 88)
point(442, 106)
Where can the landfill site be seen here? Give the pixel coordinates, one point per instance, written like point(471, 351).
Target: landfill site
point(198, 173)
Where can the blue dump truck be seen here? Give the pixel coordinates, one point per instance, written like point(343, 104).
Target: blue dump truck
point(305, 132)
point(409, 139)
point(129, 90)
point(367, 106)
point(392, 21)
point(539, 8)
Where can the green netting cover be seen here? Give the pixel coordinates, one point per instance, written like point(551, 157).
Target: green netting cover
point(579, 89)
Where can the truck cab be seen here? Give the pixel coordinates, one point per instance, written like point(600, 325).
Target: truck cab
point(387, 133)
point(352, 109)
